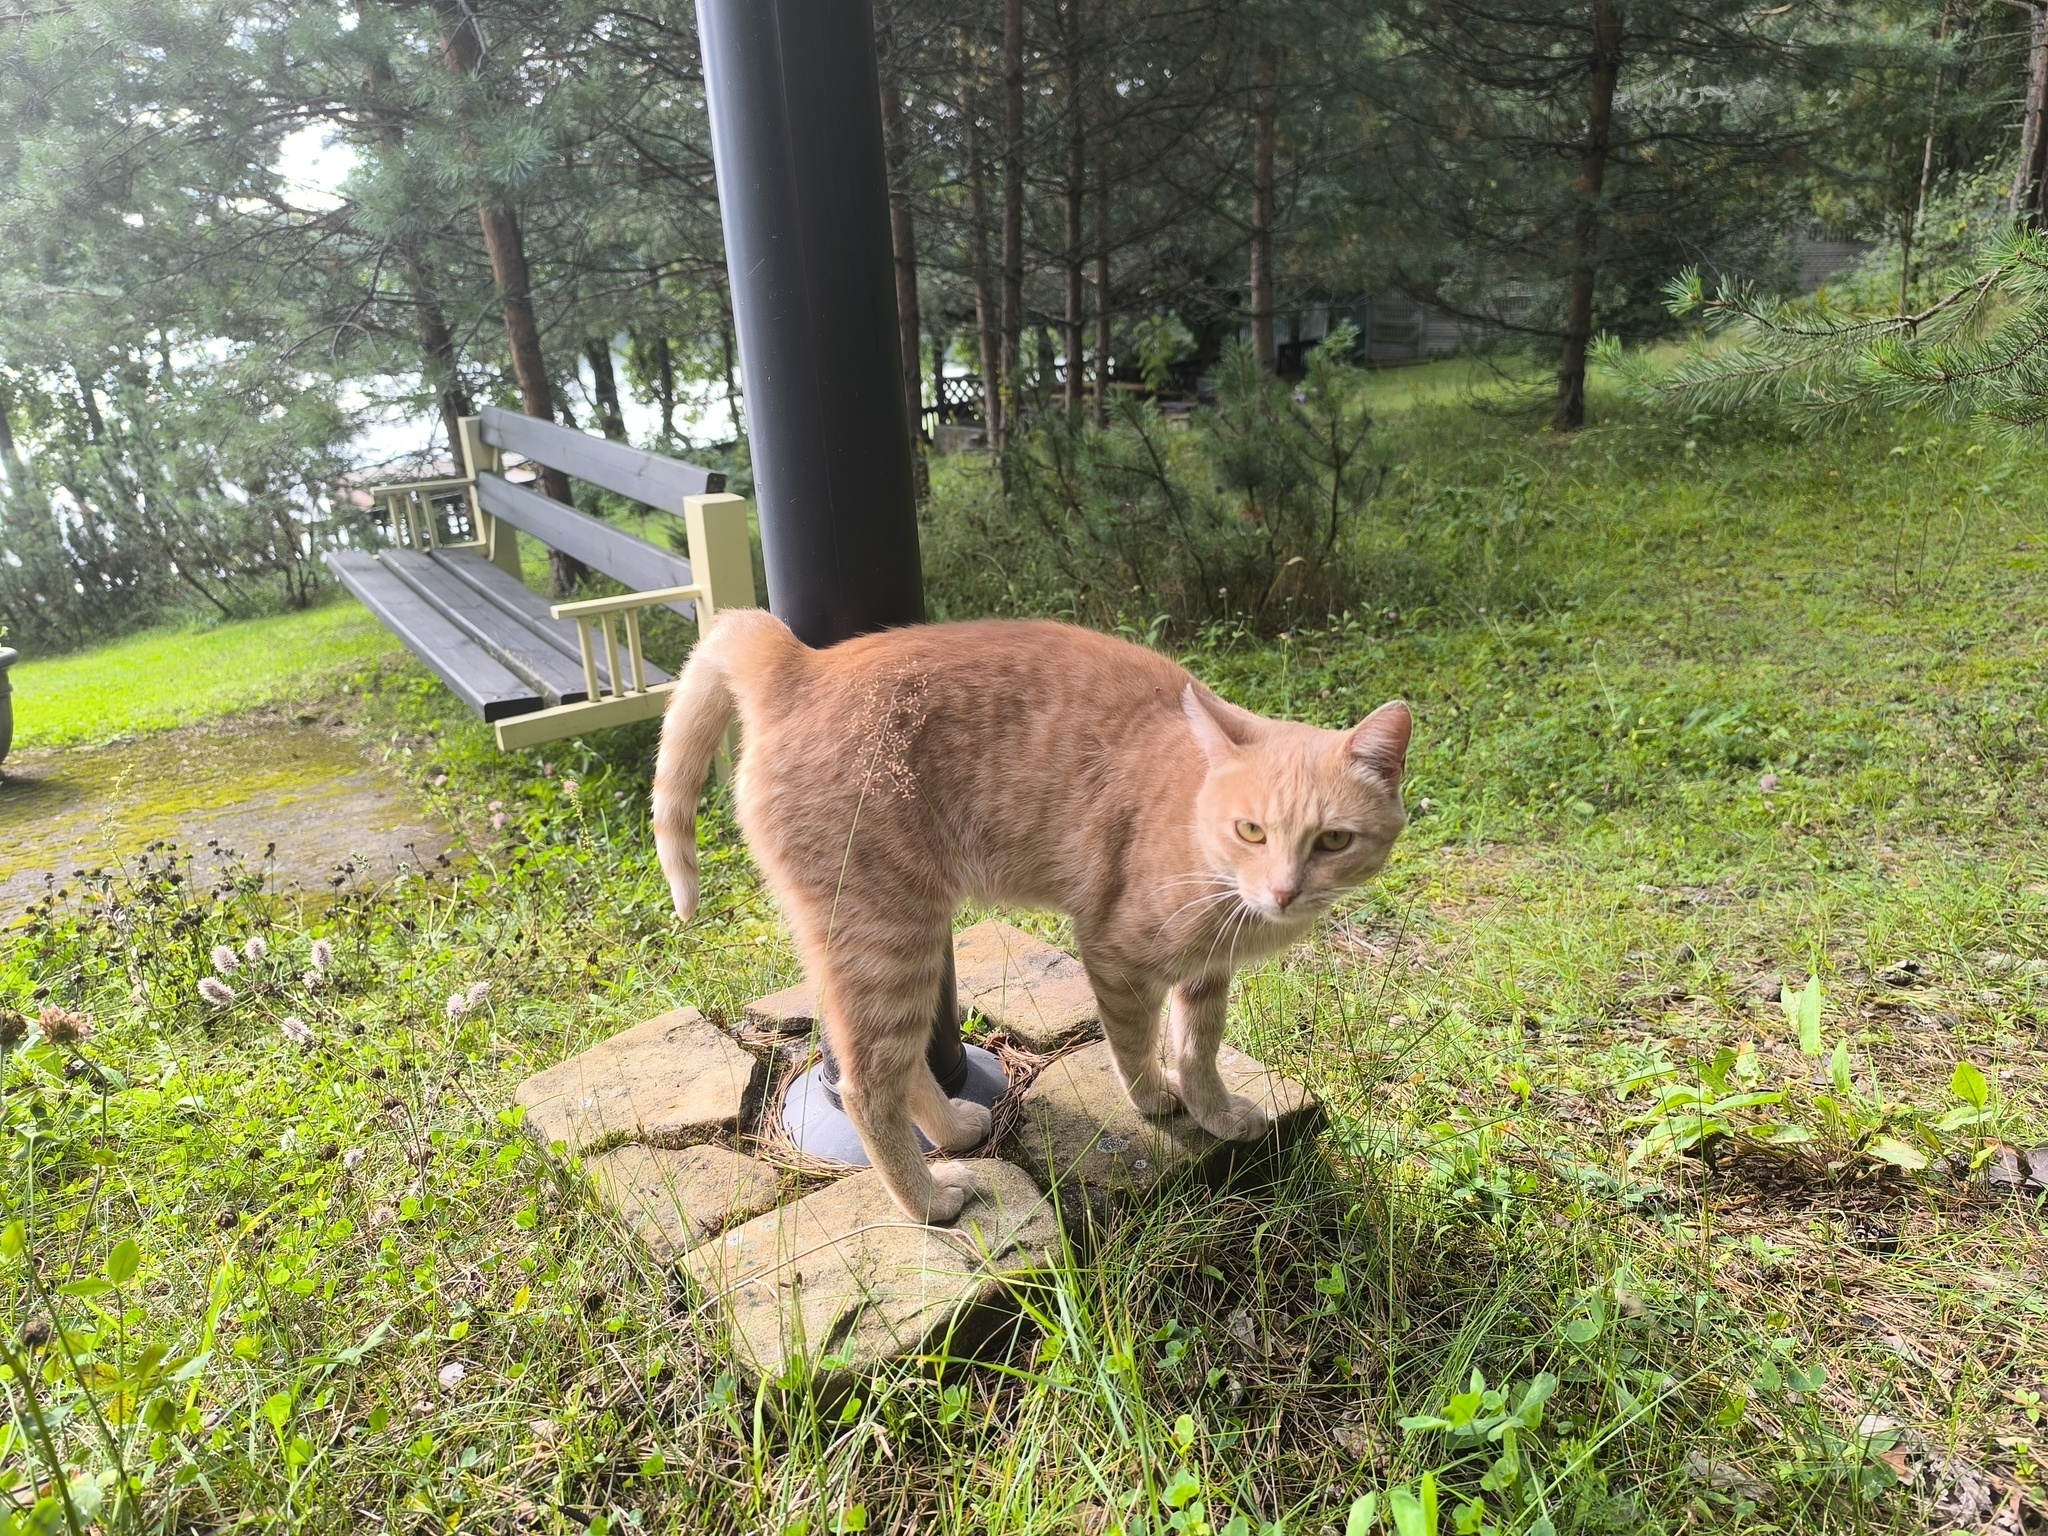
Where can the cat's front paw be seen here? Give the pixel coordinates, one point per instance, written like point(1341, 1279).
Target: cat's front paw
point(952, 1187)
point(1236, 1119)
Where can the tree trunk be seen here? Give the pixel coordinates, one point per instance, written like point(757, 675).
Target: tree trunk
point(2027, 185)
point(1013, 208)
point(977, 255)
point(438, 360)
point(903, 238)
point(1265, 126)
point(514, 280)
point(611, 420)
point(437, 349)
point(10, 457)
point(507, 248)
point(655, 351)
point(95, 424)
point(1926, 168)
point(1102, 306)
point(1077, 191)
point(462, 53)
point(1578, 316)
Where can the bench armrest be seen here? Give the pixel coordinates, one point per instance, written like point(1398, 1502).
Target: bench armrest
point(625, 601)
point(598, 611)
point(458, 483)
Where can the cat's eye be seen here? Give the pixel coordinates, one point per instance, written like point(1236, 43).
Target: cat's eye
point(1251, 831)
point(1335, 840)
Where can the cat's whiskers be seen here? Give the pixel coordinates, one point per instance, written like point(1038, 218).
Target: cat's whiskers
point(1226, 890)
point(1235, 919)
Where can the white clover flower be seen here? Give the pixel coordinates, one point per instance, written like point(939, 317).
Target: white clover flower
point(257, 947)
point(570, 788)
point(458, 1005)
point(323, 954)
point(225, 960)
point(452, 1374)
point(352, 1158)
point(497, 821)
point(296, 1030)
point(216, 991)
point(497, 805)
point(478, 991)
point(313, 980)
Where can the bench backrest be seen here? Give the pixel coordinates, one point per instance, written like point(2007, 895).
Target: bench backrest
point(631, 472)
point(626, 558)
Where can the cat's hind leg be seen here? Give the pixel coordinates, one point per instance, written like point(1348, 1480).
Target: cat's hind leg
point(951, 1125)
point(1194, 1035)
point(879, 1020)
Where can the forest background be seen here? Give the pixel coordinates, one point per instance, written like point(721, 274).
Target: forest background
point(1097, 205)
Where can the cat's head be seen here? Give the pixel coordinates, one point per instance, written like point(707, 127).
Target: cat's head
point(1291, 815)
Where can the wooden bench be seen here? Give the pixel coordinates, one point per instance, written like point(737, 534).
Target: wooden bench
point(450, 585)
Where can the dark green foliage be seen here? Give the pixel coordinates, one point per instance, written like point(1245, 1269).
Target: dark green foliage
point(1977, 347)
point(1248, 511)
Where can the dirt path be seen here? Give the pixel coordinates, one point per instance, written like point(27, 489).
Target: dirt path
point(298, 789)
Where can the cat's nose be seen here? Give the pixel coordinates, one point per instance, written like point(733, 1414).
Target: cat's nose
point(1283, 895)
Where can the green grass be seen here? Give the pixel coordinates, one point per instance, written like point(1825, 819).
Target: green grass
point(1609, 640)
point(165, 678)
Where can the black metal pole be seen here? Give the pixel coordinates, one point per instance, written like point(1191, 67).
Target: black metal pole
point(796, 139)
point(796, 135)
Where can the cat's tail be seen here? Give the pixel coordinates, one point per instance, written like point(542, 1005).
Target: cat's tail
point(741, 643)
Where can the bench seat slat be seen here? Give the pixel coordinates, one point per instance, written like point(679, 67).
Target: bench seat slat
point(475, 676)
point(631, 472)
point(520, 602)
point(631, 561)
point(559, 679)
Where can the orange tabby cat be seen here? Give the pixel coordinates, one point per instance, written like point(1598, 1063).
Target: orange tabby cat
point(890, 778)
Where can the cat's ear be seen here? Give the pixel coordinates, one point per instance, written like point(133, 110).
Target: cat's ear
point(1380, 742)
point(1209, 733)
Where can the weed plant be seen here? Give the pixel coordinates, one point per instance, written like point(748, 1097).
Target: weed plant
point(1711, 724)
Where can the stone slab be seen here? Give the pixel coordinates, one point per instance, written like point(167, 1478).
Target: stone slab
point(1033, 990)
point(1077, 1126)
point(673, 1081)
point(792, 1011)
point(674, 1198)
point(844, 1281)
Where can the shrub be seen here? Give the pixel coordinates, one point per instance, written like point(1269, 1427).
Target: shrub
point(1246, 512)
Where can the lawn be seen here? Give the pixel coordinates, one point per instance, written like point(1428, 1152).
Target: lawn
point(1606, 1234)
point(170, 677)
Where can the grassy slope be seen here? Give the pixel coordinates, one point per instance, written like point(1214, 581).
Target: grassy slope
point(1646, 620)
point(164, 678)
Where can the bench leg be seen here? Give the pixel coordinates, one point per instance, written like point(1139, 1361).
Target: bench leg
point(501, 545)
